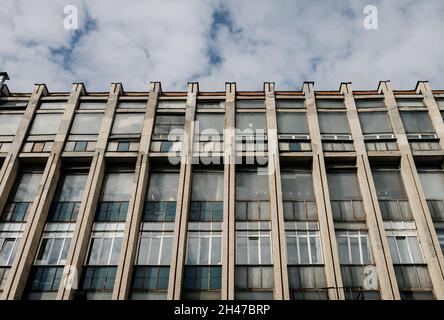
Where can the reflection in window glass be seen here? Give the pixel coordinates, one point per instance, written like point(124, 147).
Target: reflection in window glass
point(128, 123)
point(46, 123)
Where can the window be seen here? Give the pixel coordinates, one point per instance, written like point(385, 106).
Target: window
point(329, 104)
point(393, 200)
point(128, 123)
point(409, 102)
point(253, 247)
point(115, 197)
point(131, 105)
point(307, 283)
point(251, 123)
point(290, 104)
point(250, 104)
point(345, 196)
point(66, 203)
point(252, 199)
point(171, 104)
point(9, 124)
point(433, 186)
point(168, 132)
point(297, 195)
point(375, 122)
point(53, 105)
point(210, 124)
point(8, 246)
point(104, 249)
point(404, 247)
point(354, 247)
point(150, 279)
point(45, 124)
point(254, 283)
point(333, 123)
point(292, 122)
point(44, 279)
point(369, 103)
point(92, 105)
point(160, 202)
point(21, 197)
point(417, 122)
point(53, 248)
point(87, 123)
point(155, 248)
point(303, 247)
point(98, 282)
point(440, 234)
point(204, 248)
point(207, 196)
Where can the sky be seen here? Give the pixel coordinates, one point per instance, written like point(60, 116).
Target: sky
point(212, 42)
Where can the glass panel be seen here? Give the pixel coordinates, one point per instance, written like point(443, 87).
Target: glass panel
point(343, 186)
point(250, 104)
point(290, 104)
point(297, 186)
point(87, 123)
point(207, 186)
point(329, 104)
point(117, 187)
point(389, 185)
point(417, 122)
point(9, 124)
point(45, 123)
point(126, 123)
point(292, 122)
point(251, 186)
point(432, 184)
point(210, 123)
point(375, 122)
point(333, 123)
point(250, 122)
point(72, 188)
point(163, 187)
point(26, 187)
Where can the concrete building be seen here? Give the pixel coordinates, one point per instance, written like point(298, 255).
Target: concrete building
point(155, 195)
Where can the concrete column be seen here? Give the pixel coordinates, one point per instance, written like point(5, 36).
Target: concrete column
point(281, 289)
point(375, 224)
point(326, 225)
point(426, 231)
point(183, 199)
point(82, 231)
point(37, 215)
point(10, 166)
point(229, 223)
point(132, 227)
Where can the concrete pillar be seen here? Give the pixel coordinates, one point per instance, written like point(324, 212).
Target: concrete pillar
point(183, 199)
point(132, 227)
point(375, 224)
point(281, 289)
point(10, 166)
point(229, 223)
point(326, 225)
point(37, 215)
point(426, 231)
point(91, 194)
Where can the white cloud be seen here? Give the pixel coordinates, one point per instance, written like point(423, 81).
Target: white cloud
point(283, 41)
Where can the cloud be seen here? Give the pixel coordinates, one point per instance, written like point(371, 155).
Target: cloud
point(217, 41)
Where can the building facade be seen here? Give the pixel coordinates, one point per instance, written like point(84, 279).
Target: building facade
point(222, 195)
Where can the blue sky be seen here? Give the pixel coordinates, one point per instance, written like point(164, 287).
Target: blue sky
point(212, 42)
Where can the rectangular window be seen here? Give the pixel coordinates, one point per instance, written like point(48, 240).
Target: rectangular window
point(330, 104)
point(292, 123)
point(307, 283)
point(333, 123)
point(253, 247)
point(433, 186)
point(345, 196)
point(409, 102)
point(8, 247)
point(113, 206)
point(202, 279)
point(21, 197)
point(298, 196)
point(254, 283)
point(250, 104)
point(354, 247)
point(69, 194)
point(53, 248)
point(207, 196)
point(369, 103)
point(417, 122)
point(303, 247)
point(92, 105)
point(154, 279)
point(87, 123)
point(171, 104)
point(43, 279)
point(9, 124)
point(211, 104)
point(404, 247)
point(53, 105)
point(168, 126)
point(251, 123)
point(104, 249)
point(155, 248)
point(375, 122)
point(132, 105)
point(160, 202)
point(128, 123)
point(204, 248)
point(46, 124)
point(210, 124)
point(290, 103)
point(252, 198)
